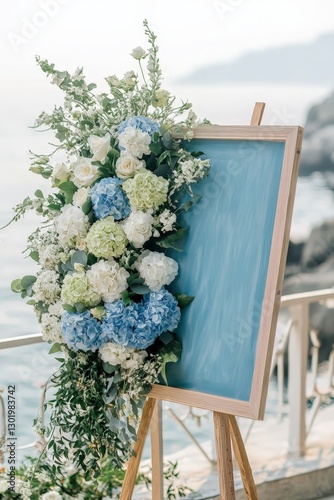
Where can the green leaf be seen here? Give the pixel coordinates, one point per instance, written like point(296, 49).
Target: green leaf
point(126, 298)
point(166, 337)
point(170, 354)
point(55, 348)
point(91, 86)
point(31, 302)
point(167, 140)
point(39, 194)
point(183, 299)
point(34, 255)
point(170, 240)
point(27, 281)
point(140, 289)
point(155, 147)
point(68, 187)
point(79, 257)
point(87, 206)
point(80, 307)
point(16, 286)
point(54, 206)
point(163, 170)
point(69, 308)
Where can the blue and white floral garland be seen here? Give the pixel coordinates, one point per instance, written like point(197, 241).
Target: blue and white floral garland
point(101, 294)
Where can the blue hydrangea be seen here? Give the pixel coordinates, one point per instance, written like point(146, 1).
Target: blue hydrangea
point(109, 199)
point(142, 123)
point(82, 332)
point(138, 325)
point(126, 325)
point(162, 311)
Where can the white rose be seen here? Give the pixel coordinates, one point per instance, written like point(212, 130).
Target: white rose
point(135, 141)
point(99, 146)
point(127, 165)
point(84, 172)
point(138, 53)
point(80, 197)
point(51, 495)
point(156, 269)
point(3, 485)
point(108, 279)
point(138, 228)
point(129, 78)
point(61, 172)
point(71, 225)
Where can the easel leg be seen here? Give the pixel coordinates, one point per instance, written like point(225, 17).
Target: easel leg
point(157, 452)
point(224, 456)
point(133, 465)
point(242, 459)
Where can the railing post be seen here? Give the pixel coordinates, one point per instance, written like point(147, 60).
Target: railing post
point(298, 347)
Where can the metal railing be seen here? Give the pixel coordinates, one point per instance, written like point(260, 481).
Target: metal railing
point(295, 340)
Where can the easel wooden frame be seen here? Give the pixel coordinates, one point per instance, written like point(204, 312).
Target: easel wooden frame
point(225, 424)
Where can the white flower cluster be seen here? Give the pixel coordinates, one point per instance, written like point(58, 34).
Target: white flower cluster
point(135, 142)
point(71, 225)
point(46, 287)
point(126, 357)
point(190, 170)
point(156, 269)
point(108, 279)
point(167, 219)
point(138, 227)
point(51, 328)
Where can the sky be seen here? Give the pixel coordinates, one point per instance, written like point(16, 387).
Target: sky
point(100, 34)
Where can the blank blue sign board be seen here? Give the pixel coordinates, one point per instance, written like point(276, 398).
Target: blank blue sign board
point(227, 258)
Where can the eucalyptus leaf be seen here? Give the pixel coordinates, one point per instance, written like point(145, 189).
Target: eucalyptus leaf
point(27, 281)
point(16, 286)
point(183, 299)
point(69, 308)
point(140, 289)
point(79, 257)
point(109, 368)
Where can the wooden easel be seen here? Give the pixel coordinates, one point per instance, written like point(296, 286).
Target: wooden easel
point(226, 432)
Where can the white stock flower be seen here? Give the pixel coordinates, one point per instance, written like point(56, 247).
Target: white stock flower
point(138, 228)
point(51, 328)
point(71, 225)
point(46, 287)
point(61, 172)
point(134, 141)
point(99, 146)
point(3, 485)
point(156, 269)
point(138, 53)
point(108, 279)
point(51, 495)
point(127, 165)
point(56, 309)
point(49, 255)
point(84, 172)
point(167, 219)
point(80, 196)
point(161, 98)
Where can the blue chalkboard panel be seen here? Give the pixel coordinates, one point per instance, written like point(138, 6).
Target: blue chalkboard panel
point(233, 263)
point(225, 265)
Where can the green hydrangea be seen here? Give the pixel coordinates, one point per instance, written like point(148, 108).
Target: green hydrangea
point(106, 239)
point(146, 190)
point(76, 288)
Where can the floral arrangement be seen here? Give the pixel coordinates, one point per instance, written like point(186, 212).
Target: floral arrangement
point(73, 485)
point(101, 293)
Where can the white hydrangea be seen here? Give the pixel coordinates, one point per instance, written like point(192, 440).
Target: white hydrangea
point(127, 357)
point(49, 255)
point(51, 328)
point(108, 279)
point(71, 225)
point(23, 487)
point(135, 141)
point(156, 269)
point(167, 219)
point(46, 287)
point(56, 309)
point(138, 227)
